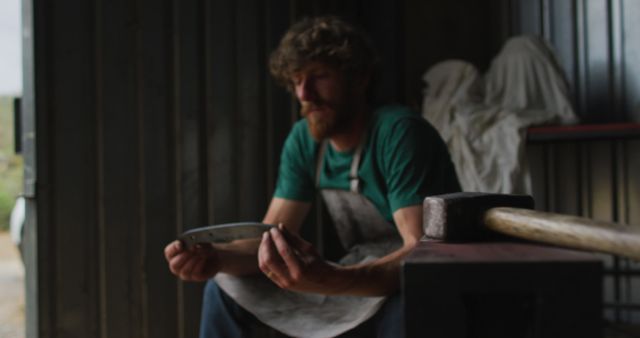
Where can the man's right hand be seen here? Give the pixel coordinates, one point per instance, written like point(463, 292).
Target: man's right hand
point(196, 264)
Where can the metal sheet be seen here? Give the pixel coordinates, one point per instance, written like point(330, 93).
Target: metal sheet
point(567, 179)
point(72, 170)
point(190, 175)
point(250, 136)
point(529, 17)
point(597, 43)
point(562, 36)
point(631, 58)
point(221, 109)
point(119, 175)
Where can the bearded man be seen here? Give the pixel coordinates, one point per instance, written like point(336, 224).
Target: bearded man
point(373, 168)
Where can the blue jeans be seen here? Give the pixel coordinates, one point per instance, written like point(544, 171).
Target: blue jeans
point(223, 317)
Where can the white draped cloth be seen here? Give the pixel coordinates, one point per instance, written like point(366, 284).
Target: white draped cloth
point(483, 119)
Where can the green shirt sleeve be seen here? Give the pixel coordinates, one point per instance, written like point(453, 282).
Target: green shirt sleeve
point(415, 163)
point(297, 165)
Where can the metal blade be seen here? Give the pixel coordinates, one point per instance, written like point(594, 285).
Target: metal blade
point(224, 233)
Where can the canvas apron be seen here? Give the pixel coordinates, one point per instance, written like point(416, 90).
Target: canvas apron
point(364, 233)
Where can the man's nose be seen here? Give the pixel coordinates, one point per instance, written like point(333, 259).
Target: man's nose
point(305, 91)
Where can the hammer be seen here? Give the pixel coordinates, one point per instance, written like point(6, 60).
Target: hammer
point(470, 216)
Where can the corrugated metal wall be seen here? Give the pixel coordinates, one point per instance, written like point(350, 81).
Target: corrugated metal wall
point(597, 43)
point(595, 179)
point(152, 117)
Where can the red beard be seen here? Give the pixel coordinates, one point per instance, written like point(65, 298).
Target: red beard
point(321, 124)
point(327, 122)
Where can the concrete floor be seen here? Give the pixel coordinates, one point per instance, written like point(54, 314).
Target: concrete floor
point(11, 290)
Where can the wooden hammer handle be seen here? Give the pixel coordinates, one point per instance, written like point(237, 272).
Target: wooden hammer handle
point(563, 230)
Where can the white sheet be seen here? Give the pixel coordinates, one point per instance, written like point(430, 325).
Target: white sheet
point(483, 120)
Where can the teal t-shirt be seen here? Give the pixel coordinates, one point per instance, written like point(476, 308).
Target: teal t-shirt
point(403, 161)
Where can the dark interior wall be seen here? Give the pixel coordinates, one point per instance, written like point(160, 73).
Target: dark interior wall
point(435, 31)
point(152, 117)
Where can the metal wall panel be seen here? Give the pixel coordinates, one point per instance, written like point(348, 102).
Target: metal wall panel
point(562, 35)
point(188, 61)
point(601, 182)
point(280, 112)
point(596, 42)
point(595, 179)
point(566, 198)
point(221, 92)
point(631, 216)
point(155, 78)
point(73, 189)
point(596, 45)
point(34, 284)
point(118, 170)
point(597, 63)
point(537, 169)
point(388, 37)
point(532, 21)
point(631, 56)
point(122, 118)
point(251, 136)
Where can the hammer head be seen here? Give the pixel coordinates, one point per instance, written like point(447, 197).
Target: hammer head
point(458, 217)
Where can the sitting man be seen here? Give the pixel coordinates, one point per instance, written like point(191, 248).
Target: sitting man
point(373, 168)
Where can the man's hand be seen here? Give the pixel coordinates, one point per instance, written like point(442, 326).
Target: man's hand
point(292, 263)
point(196, 264)
point(237, 258)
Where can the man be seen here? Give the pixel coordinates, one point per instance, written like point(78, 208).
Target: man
point(373, 169)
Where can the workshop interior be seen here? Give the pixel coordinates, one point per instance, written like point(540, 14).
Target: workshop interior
point(141, 119)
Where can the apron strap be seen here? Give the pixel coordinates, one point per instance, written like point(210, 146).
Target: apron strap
point(320, 161)
point(354, 180)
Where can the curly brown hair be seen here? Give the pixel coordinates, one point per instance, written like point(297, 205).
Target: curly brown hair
point(328, 40)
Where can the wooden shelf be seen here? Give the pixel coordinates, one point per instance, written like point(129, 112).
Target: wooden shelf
point(584, 132)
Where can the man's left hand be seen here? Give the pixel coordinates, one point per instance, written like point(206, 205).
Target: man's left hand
point(293, 263)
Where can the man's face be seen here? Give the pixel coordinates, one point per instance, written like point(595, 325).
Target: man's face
point(324, 98)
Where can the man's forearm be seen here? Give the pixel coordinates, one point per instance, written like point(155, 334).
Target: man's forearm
point(382, 276)
point(239, 258)
point(376, 278)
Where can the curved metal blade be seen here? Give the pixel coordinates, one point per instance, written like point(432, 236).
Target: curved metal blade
point(224, 233)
